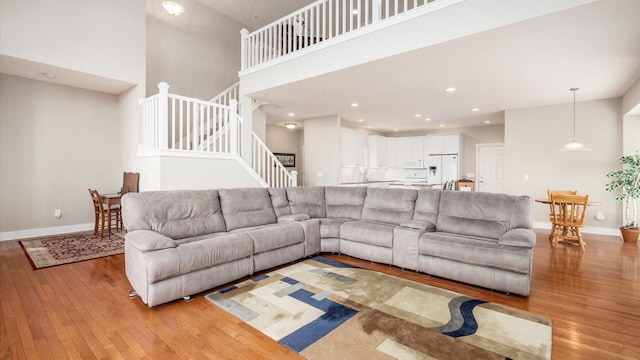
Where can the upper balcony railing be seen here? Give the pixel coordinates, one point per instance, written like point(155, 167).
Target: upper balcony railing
point(318, 22)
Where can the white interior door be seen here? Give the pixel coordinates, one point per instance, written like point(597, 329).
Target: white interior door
point(490, 168)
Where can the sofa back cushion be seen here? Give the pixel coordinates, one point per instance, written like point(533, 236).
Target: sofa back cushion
point(279, 201)
point(176, 214)
point(246, 207)
point(483, 214)
point(344, 202)
point(391, 206)
point(427, 205)
point(307, 200)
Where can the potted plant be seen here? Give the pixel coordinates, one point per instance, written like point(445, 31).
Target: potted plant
point(628, 181)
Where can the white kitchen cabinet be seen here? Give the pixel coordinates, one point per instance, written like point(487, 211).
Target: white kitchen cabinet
point(377, 151)
point(392, 153)
point(352, 148)
point(442, 144)
point(412, 149)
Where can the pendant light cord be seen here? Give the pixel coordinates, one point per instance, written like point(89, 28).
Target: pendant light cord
point(574, 112)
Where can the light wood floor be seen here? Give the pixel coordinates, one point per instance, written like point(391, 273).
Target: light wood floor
point(82, 310)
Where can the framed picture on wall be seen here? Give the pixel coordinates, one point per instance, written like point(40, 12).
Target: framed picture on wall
point(287, 160)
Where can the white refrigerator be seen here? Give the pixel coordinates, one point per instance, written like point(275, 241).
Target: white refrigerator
point(442, 168)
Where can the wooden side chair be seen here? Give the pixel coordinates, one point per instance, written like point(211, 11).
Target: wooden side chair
point(101, 214)
point(567, 217)
point(130, 181)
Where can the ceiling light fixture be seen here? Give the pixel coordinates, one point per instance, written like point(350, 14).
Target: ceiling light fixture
point(427, 119)
point(475, 109)
point(574, 145)
point(354, 104)
point(291, 114)
point(451, 89)
point(360, 120)
point(418, 115)
point(173, 8)
point(290, 125)
point(441, 125)
point(487, 121)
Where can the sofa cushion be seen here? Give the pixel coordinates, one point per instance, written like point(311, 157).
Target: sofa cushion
point(175, 214)
point(279, 201)
point(483, 214)
point(246, 207)
point(274, 236)
point(198, 255)
point(293, 218)
point(330, 227)
point(475, 250)
point(368, 233)
point(307, 200)
point(391, 206)
point(426, 208)
point(344, 202)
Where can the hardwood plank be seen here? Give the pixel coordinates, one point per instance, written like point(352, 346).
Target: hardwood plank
point(82, 310)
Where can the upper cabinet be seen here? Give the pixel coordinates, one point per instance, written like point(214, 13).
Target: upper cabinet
point(378, 151)
point(442, 144)
point(394, 160)
point(352, 148)
point(412, 150)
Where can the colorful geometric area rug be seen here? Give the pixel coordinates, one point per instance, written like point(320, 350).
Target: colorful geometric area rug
point(325, 309)
point(68, 248)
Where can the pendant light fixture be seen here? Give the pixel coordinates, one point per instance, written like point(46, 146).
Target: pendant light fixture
point(173, 7)
point(574, 145)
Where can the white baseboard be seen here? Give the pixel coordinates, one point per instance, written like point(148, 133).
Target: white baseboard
point(586, 229)
point(23, 234)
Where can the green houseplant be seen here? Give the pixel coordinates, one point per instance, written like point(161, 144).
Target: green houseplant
point(628, 181)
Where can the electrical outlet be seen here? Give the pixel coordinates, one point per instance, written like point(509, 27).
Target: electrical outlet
point(57, 213)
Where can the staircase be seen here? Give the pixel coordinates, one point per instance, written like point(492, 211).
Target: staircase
point(175, 125)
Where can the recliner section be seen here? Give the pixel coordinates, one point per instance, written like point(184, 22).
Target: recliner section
point(183, 242)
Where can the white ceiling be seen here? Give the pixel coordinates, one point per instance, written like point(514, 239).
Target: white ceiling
point(595, 47)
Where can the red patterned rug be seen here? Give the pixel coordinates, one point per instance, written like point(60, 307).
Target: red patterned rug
point(68, 248)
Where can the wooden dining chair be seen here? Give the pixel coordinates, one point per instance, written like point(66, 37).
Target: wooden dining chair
point(100, 213)
point(130, 181)
point(568, 214)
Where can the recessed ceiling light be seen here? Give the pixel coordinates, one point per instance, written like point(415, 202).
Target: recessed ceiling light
point(290, 125)
point(395, 129)
point(441, 125)
point(418, 115)
point(370, 127)
point(475, 109)
point(360, 120)
point(451, 89)
point(49, 75)
point(487, 121)
point(354, 104)
point(427, 119)
point(291, 114)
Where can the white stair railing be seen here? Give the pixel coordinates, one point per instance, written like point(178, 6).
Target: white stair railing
point(269, 168)
point(174, 122)
point(318, 22)
point(192, 127)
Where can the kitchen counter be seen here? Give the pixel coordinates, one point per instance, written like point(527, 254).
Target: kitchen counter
point(369, 182)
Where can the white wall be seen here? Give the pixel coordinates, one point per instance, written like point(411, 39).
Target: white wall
point(322, 149)
point(56, 142)
point(533, 137)
point(196, 53)
point(95, 37)
point(59, 140)
point(282, 140)
point(631, 137)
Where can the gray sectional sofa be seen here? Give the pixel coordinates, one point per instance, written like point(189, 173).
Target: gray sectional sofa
point(180, 243)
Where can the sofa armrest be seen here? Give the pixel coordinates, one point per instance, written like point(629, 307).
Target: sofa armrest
point(518, 238)
point(293, 218)
point(147, 240)
point(418, 225)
